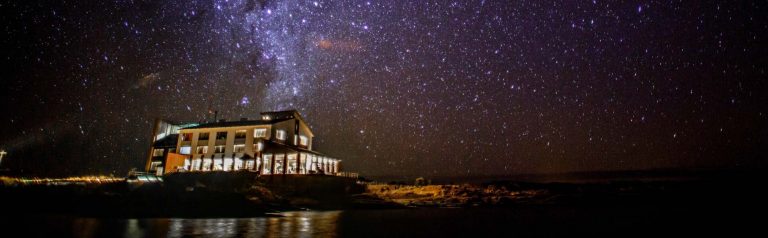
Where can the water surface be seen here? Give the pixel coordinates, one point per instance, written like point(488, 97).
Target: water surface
point(427, 222)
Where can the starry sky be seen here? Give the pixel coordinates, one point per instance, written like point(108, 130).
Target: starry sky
point(430, 88)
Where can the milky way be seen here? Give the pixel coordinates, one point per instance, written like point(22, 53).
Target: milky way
point(432, 88)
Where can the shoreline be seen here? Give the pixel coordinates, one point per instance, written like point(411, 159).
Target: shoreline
point(243, 195)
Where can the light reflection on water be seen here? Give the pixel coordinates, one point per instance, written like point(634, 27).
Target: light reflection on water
point(291, 224)
point(466, 222)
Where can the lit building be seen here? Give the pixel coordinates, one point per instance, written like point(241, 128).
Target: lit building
point(277, 143)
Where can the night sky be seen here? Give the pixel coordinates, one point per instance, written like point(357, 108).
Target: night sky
point(431, 88)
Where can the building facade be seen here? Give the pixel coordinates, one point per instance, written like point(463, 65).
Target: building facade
point(277, 143)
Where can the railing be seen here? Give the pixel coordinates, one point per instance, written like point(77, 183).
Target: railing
point(347, 174)
point(339, 174)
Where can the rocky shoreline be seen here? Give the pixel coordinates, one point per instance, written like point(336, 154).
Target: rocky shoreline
point(245, 195)
point(190, 195)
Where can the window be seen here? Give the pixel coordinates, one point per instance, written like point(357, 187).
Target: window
point(157, 152)
point(291, 162)
point(238, 164)
point(267, 164)
point(303, 140)
point(204, 136)
point(154, 165)
point(258, 146)
point(228, 164)
point(207, 164)
point(302, 163)
point(260, 133)
point(186, 137)
point(222, 135)
point(249, 164)
point(240, 148)
point(240, 134)
point(202, 149)
point(265, 117)
point(280, 134)
point(218, 164)
point(196, 163)
point(219, 149)
point(185, 150)
point(279, 163)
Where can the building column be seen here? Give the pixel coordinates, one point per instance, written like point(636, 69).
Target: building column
point(325, 165)
point(257, 161)
point(285, 163)
point(272, 164)
point(298, 163)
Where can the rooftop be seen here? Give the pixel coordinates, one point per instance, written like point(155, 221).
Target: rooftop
point(288, 114)
point(236, 123)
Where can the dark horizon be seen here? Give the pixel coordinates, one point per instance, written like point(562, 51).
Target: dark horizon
point(432, 89)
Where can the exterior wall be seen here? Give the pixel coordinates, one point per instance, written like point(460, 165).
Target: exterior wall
point(305, 131)
point(291, 132)
point(229, 142)
point(152, 158)
point(173, 161)
point(155, 131)
point(160, 130)
point(293, 125)
point(287, 126)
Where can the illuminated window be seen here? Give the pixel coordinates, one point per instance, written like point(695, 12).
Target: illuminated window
point(280, 134)
point(240, 134)
point(260, 133)
point(303, 140)
point(203, 136)
point(302, 163)
point(238, 164)
point(157, 152)
point(267, 164)
point(222, 135)
point(187, 163)
point(249, 164)
point(228, 164)
point(206, 165)
point(196, 164)
point(185, 150)
point(258, 146)
point(154, 165)
point(240, 148)
point(202, 149)
point(265, 117)
point(186, 137)
point(219, 149)
point(291, 162)
point(279, 163)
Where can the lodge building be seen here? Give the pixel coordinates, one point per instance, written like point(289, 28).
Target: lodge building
point(277, 143)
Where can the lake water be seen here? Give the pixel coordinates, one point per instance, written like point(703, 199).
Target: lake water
point(428, 222)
